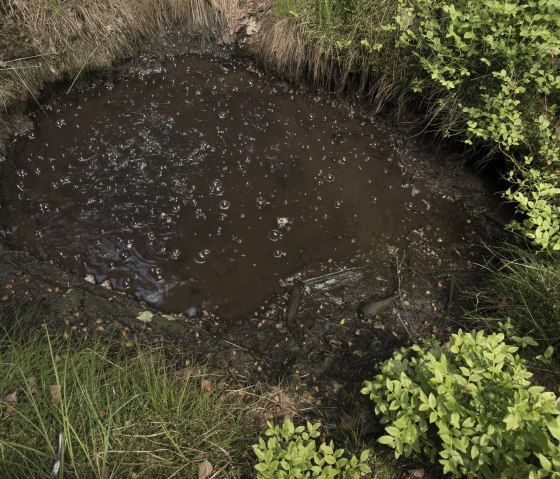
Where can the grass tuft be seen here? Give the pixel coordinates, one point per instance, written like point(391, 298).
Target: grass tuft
point(523, 289)
point(320, 41)
point(524, 286)
point(122, 413)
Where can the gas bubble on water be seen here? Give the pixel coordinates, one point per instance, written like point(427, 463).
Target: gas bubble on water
point(278, 254)
point(124, 255)
point(260, 202)
point(155, 272)
point(217, 188)
point(202, 256)
point(224, 205)
point(274, 235)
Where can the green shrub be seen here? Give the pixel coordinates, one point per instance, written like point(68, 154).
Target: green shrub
point(498, 62)
point(291, 452)
point(472, 405)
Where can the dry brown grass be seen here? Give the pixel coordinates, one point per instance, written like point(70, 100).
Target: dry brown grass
point(44, 40)
point(294, 49)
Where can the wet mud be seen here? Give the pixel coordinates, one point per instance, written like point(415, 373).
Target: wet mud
point(203, 186)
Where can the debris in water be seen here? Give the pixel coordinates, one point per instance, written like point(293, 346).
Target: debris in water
point(371, 308)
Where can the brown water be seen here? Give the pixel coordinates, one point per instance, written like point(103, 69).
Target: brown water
point(207, 184)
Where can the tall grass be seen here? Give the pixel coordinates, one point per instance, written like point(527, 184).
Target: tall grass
point(525, 287)
point(321, 41)
point(122, 413)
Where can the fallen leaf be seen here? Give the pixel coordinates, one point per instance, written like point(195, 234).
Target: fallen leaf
point(416, 474)
point(145, 316)
point(54, 389)
point(205, 469)
point(10, 399)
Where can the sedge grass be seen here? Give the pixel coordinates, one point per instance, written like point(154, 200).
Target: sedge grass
point(122, 413)
point(523, 285)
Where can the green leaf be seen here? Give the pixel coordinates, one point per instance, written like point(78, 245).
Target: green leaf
point(545, 463)
point(388, 440)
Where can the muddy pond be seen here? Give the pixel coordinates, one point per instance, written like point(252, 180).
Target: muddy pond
point(207, 185)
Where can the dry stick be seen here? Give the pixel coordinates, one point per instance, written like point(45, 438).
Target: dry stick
point(87, 60)
point(30, 92)
point(398, 271)
point(29, 58)
point(5, 67)
point(451, 291)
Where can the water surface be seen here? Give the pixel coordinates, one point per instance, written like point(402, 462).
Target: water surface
point(207, 184)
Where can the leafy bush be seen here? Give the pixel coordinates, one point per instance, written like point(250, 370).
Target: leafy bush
point(471, 404)
point(291, 452)
point(498, 61)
